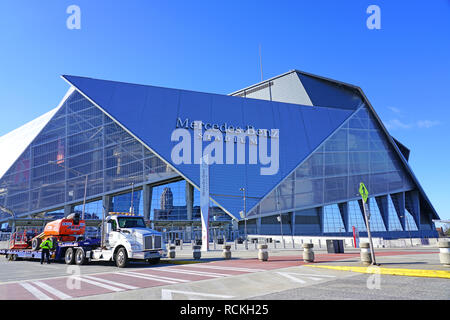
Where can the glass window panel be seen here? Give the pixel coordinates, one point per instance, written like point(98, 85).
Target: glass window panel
point(335, 189)
point(358, 140)
point(337, 142)
point(311, 168)
point(394, 222)
point(332, 220)
point(355, 217)
point(376, 221)
point(336, 164)
point(410, 224)
point(358, 162)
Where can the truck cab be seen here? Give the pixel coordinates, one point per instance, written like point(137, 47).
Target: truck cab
point(126, 237)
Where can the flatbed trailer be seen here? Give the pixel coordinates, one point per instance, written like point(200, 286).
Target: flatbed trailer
point(57, 254)
point(125, 237)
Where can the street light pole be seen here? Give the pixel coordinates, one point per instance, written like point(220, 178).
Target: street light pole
point(132, 196)
point(281, 229)
point(84, 198)
point(245, 220)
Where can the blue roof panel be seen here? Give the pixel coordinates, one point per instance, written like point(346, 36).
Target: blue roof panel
point(151, 113)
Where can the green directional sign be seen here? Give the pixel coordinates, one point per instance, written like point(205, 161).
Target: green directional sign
point(363, 192)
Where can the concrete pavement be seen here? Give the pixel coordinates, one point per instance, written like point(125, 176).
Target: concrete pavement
point(284, 276)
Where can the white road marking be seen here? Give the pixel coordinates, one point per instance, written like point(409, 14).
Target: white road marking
point(226, 268)
point(294, 276)
point(139, 275)
point(53, 291)
point(167, 294)
point(196, 273)
point(98, 284)
point(117, 284)
point(35, 291)
point(161, 277)
point(287, 275)
point(315, 275)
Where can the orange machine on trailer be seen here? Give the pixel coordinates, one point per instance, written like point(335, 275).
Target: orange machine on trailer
point(68, 229)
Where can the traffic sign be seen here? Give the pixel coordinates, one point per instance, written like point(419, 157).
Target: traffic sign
point(363, 192)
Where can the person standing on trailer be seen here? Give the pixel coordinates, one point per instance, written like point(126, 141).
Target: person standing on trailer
point(46, 246)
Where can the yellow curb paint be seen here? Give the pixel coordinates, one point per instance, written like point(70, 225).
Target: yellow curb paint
point(391, 271)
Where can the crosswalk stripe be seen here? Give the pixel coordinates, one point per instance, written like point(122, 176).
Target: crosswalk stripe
point(98, 284)
point(286, 275)
point(226, 268)
point(35, 291)
point(136, 275)
point(165, 278)
point(194, 272)
point(52, 290)
point(117, 284)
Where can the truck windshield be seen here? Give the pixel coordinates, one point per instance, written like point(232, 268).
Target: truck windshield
point(128, 222)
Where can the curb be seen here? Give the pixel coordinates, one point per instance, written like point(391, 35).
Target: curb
point(391, 271)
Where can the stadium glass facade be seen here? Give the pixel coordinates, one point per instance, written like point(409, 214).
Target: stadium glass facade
point(89, 150)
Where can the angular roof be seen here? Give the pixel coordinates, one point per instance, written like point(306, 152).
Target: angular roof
point(150, 114)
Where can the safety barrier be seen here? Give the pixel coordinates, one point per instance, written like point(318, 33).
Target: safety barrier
point(263, 254)
point(197, 254)
point(366, 257)
point(226, 253)
point(172, 251)
point(444, 252)
point(308, 253)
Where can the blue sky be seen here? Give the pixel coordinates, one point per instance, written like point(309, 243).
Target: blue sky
point(213, 46)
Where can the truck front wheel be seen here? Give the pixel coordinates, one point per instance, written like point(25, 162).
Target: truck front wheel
point(121, 258)
point(69, 257)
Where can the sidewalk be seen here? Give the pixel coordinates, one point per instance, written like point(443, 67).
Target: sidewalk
point(417, 261)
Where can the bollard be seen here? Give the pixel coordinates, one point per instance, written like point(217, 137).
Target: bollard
point(196, 252)
point(308, 253)
point(172, 252)
point(235, 244)
point(263, 254)
point(226, 253)
point(366, 257)
point(444, 252)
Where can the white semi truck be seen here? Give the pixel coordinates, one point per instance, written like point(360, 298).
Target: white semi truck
point(125, 237)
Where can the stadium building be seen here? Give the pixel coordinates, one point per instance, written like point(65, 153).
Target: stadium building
point(111, 145)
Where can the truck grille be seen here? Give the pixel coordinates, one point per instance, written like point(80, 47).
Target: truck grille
point(157, 242)
point(148, 243)
point(152, 242)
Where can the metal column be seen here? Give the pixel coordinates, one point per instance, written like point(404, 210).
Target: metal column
point(147, 193)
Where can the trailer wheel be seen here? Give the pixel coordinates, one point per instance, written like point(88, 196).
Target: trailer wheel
point(121, 258)
point(80, 257)
point(35, 244)
point(69, 256)
point(14, 257)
